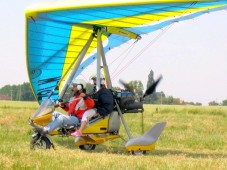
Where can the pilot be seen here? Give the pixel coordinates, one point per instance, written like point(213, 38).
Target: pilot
point(102, 82)
point(104, 101)
point(75, 108)
point(104, 104)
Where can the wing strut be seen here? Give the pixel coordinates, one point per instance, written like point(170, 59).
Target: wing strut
point(100, 55)
point(99, 45)
point(79, 59)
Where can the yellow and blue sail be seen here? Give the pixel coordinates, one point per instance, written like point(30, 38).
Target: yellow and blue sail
point(57, 31)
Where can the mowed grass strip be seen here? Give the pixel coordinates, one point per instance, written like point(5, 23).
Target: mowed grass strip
point(194, 138)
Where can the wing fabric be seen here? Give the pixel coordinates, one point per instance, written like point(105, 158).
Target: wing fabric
point(57, 32)
point(145, 29)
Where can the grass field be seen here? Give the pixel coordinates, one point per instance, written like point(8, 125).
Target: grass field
point(195, 138)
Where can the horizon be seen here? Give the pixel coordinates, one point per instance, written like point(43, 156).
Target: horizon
point(166, 95)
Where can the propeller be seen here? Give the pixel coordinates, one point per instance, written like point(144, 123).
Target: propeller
point(149, 91)
point(152, 88)
point(127, 86)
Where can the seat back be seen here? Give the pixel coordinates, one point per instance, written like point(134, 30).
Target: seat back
point(114, 122)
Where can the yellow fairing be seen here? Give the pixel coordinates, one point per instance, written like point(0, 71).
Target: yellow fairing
point(100, 126)
point(142, 148)
point(99, 132)
point(95, 139)
point(43, 120)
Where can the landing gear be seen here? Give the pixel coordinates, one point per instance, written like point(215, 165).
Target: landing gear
point(138, 152)
point(40, 142)
point(87, 147)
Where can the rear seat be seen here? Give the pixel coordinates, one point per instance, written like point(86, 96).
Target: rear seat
point(114, 122)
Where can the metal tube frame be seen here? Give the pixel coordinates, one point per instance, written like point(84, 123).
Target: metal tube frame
point(79, 60)
point(100, 54)
point(99, 44)
point(106, 69)
point(123, 120)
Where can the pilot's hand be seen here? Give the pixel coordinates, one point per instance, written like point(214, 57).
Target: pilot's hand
point(82, 94)
point(98, 115)
point(61, 104)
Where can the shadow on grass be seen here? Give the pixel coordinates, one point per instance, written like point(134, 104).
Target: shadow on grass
point(66, 142)
point(111, 147)
point(170, 152)
point(117, 147)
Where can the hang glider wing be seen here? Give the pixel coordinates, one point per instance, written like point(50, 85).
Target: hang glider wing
point(56, 32)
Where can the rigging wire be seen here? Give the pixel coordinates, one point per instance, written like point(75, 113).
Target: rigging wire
point(148, 45)
point(123, 58)
point(122, 54)
point(84, 77)
point(142, 51)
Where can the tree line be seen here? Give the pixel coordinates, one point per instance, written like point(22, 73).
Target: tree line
point(23, 92)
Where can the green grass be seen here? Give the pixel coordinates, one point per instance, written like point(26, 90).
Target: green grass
point(194, 138)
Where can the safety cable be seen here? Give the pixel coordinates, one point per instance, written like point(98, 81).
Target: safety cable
point(142, 51)
point(123, 58)
point(146, 47)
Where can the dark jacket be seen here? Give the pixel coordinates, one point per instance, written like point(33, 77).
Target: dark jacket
point(104, 101)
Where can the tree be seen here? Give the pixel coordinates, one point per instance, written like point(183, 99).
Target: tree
point(198, 104)
point(150, 80)
point(26, 93)
point(224, 102)
point(137, 86)
point(213, 103)
point(159, 98)
point(153, 97)
point(6, 90)
point(21, 92)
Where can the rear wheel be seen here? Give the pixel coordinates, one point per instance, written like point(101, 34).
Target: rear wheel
point(87, 147)
point(138, 152)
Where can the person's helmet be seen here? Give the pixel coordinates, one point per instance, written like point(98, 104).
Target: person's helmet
point(81, 84)
point(102, 78)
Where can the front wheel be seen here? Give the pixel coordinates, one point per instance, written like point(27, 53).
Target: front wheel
point(87, 147)
point(41, 143)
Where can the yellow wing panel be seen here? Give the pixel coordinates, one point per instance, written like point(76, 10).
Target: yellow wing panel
point(143, 19)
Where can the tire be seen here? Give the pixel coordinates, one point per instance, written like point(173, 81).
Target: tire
point(87, 147)
point(138, 152)
point(42, 143)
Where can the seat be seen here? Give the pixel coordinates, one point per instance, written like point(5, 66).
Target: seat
point(114, 122)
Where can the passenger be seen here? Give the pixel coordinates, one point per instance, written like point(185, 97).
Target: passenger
point(84, 121)
point(76, 107)
point(104, 104)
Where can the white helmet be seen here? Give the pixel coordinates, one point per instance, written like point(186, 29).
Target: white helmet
point(81, 84)
point(102, 78)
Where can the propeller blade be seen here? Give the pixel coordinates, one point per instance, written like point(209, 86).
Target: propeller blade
point(127, 86)
point(152, 88)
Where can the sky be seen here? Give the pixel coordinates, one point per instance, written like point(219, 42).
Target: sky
point(191, 55)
